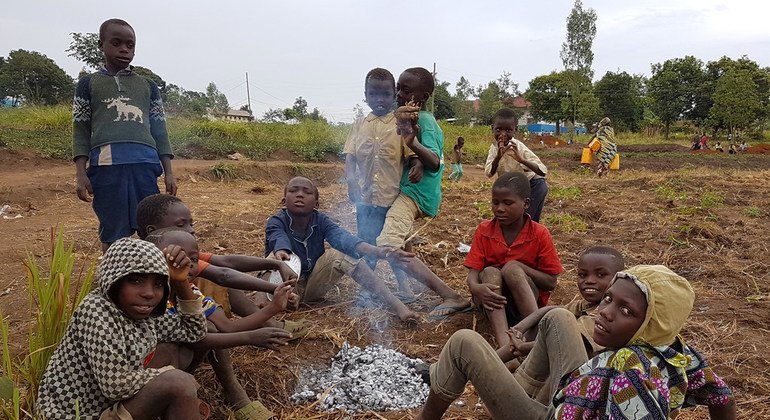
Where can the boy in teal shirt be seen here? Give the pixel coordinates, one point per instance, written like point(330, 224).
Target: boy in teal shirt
point(420, 196)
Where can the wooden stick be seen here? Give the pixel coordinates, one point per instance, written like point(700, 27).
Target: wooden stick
point(419, 230)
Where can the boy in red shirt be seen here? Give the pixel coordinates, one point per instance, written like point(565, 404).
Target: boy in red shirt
point(513, 265)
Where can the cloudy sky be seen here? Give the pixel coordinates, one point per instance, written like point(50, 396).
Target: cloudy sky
point(321, 50)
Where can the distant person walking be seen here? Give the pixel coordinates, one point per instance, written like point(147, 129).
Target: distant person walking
point(607, 150)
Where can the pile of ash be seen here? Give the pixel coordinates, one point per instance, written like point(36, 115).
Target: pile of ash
point(373, 378)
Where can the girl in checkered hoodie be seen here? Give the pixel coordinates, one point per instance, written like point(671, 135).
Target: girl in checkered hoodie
point(101, 368)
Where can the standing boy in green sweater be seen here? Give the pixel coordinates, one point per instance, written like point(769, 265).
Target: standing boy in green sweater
point(120, 145)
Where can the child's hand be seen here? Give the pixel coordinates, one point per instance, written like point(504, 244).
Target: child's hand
point(416, 171)
point(178, 263)
point(170, 182)
point(395, 254)
point(282, 255)
point(489, 296)
point(83, 188)
point(281, 296)
point(287, 274)
point(269, 337)
point(516, 341)
point(293, 301)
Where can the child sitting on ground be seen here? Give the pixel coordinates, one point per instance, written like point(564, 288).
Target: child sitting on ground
point(301, 229)
point(596, 267)
point(457, 160)
point(420, 196)
point(224, 332)
point(647, 371)
point(506, 154)
point(99, 367)
point(512, 265)
point(220, 277)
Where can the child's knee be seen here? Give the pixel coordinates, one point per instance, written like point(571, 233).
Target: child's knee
point(558, 318)
point(512, 271)
point(177, 384)
point(491, 275)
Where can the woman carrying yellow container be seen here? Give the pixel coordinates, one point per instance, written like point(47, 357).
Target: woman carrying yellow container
point(603, 146)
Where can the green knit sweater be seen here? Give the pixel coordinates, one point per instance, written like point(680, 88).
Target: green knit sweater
point(120, 108)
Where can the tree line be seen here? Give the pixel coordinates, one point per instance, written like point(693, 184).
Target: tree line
point(723, 95)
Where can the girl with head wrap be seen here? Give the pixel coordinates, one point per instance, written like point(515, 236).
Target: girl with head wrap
point(647, 371)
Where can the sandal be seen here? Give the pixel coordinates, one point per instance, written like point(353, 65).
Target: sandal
point(254, 411)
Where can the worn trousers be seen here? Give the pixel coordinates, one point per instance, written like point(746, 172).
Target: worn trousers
point(526, 394)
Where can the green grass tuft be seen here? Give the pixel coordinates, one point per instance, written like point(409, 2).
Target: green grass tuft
point(752, 211)
point(224, 171)
point(562, 193)
point(710, 200)
point(566, 222)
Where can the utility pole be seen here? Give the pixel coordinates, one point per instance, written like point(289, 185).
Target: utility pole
point(433, 97)
point(248, 96)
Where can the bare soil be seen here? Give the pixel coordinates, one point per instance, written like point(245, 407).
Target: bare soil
point(720, 246)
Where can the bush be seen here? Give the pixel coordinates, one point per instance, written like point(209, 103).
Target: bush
point(52, 305)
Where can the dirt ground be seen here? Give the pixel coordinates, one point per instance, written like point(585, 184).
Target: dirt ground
point(706, 219)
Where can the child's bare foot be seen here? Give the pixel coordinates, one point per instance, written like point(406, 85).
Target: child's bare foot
point(268, 337)
point(407, 316)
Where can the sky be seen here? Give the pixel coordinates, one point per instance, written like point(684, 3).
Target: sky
point(322, 50)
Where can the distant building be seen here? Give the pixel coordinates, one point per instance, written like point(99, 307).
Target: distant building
point(234, 115)
point(522, 106)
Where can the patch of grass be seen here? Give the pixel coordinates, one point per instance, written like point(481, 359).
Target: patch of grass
point(52, 305)
point(752, 211)
point(566, 222)
point(299, 169)
point(485, 209)
point(561, 193)
point(670, 191)
point(710, 200)
point(687, 211)
point(224, 171)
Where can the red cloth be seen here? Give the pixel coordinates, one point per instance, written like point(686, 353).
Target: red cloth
point(203, 261)
point(532, 247)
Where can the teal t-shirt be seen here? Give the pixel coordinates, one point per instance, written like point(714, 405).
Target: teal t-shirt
point(427, 192)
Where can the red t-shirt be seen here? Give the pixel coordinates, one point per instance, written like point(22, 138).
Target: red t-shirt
point(532, 247)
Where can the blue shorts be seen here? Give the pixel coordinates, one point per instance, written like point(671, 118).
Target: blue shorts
point(117, 191)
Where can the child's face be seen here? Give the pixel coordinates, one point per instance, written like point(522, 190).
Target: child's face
point(461, 142)
point(503, 128)
point(507, 206)
point(409, 88)
point(301, 196)
point(177, 215)
point(621, 314)
point(379, 96)
point(190, 247)
point(118, 46)
point(139, 294)
point(595, 271)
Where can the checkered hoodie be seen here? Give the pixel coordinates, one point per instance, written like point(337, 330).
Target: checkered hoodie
point(100, 359)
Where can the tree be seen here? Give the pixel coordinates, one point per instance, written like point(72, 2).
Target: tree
point(490, 100)
point(35, 77)
point(442, 101)
point(761, 77)
point(144, 71)
point(546, 93)
point(359, 110)
point(215, 99)
point(576, 53)
point(736, 101)
point(463, 109)
point(273, 115)
point(621, 97)
point(579, 104)
point(85, 47)
point(674, 88)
